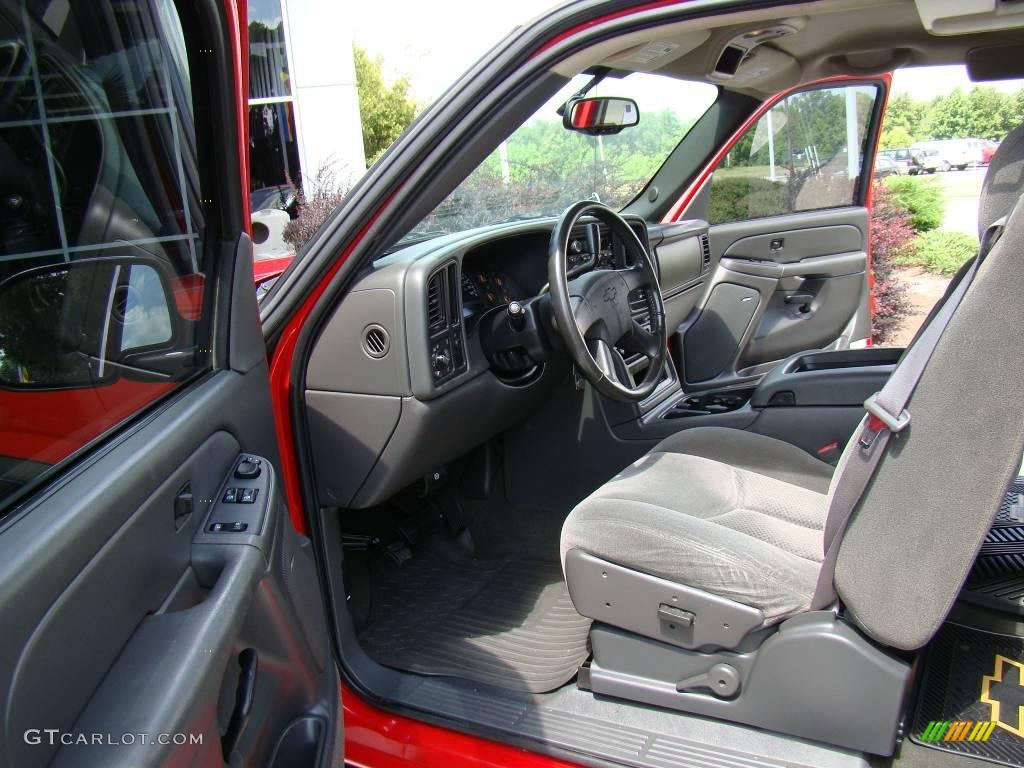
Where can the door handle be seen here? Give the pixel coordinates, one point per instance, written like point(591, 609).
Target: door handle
point(802, 300)
point(184, 504)
point(248, 663)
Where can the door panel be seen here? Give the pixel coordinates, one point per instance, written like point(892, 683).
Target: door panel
point(808, 279)
point(789, 236)
point(125, 616)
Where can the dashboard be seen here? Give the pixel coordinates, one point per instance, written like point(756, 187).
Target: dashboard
point(515, 268)
point(398, 381)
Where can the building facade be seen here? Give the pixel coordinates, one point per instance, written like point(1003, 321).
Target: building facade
point(303, 106)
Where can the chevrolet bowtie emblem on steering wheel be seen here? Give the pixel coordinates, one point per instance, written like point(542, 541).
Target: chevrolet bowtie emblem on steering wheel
point(610, 293)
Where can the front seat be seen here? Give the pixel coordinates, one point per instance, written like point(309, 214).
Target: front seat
point(713, 542)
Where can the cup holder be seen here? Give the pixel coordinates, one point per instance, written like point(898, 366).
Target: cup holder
point(710, 403)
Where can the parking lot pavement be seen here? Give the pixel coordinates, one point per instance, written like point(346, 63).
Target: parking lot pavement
point(961, 190)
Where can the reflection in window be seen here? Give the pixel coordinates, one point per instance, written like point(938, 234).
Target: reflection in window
point(273, 150)
point(804, 154)
point(145, 315)
point(268, 56)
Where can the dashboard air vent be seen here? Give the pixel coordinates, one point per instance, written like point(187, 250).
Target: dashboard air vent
point(705, 246)
point(376, 341)
point(436, 304)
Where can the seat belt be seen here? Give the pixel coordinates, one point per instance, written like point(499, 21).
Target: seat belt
point(886, 415)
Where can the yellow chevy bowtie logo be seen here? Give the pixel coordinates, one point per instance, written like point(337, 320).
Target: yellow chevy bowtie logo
point(1003, 691)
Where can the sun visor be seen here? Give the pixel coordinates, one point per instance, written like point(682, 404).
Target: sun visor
point(997, 62)
point(958, 17)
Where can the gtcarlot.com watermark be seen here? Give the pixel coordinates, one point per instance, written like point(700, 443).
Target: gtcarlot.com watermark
point(57, 737)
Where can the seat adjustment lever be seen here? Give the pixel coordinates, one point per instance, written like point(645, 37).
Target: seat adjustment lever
point(723, 680)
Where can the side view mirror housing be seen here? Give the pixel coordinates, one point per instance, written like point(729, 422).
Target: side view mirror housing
point(600, 115)
point(85, 323)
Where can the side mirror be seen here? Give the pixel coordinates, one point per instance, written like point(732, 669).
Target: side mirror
point(85, 323)
point(600, 115)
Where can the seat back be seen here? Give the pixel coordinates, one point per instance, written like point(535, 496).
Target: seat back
point(918, 526)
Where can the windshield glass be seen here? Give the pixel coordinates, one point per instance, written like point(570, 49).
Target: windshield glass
point(543, 168)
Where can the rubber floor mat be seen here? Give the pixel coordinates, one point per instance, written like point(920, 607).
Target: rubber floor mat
point(997, 578)
point(510, 624)
point(972, 700)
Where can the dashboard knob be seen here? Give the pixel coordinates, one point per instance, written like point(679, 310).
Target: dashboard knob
point(441, 360)
point(516, 315)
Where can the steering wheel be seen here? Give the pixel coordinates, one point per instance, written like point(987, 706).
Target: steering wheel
point(592, 312)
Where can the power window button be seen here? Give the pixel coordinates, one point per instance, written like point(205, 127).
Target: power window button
point(231, 495)
point(247, 495)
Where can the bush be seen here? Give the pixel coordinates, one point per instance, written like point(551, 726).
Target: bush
point(944, 252)
point(735, 198)
point(891, 242)
point(923, 200)
point(328, 188)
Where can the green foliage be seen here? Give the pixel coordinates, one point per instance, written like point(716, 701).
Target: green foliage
point(384, 110)
point(922, 198)
point(943, 252)
point(906, 114)
point(896, 137)
point(735, 198)
point(983, 112)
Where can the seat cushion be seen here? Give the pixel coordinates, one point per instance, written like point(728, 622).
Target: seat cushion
point(722, 527)
point(747, 450)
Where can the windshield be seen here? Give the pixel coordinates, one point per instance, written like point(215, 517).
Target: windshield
point(543, 168)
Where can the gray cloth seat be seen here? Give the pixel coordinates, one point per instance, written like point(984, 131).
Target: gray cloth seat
point(734, 513)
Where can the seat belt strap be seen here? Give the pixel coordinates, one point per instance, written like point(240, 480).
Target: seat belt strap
point(886, 415)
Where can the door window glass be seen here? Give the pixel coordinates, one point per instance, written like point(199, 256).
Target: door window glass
point(101, 225)
point(806, 153)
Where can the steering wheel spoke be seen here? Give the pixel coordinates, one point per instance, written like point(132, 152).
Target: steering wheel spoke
point(635, 277)
point(641, 341)
point(610, 361)
point(592, 313)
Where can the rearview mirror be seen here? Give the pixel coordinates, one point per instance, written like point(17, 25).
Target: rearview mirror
point(84, 323)
point(600, 115)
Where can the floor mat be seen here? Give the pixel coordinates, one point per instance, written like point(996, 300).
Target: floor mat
point(972, 700)
point(997, 578)
point(510, 624)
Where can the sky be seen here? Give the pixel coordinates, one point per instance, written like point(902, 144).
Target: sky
point(432, 43)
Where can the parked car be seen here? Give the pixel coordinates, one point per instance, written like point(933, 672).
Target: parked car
point(885, 166)
point(903, 160)
point(531, 458)
point(929, 161)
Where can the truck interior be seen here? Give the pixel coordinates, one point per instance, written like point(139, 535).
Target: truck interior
point(572, 473)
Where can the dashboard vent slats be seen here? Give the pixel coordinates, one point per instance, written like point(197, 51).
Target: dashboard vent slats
point(705, 245)
point(436, 304)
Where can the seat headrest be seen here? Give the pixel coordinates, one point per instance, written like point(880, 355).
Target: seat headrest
point(1004, 182)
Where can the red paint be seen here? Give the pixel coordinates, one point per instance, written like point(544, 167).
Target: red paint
point(870, 202)
point(49, 426)
point(378, 739)
point(676, 211)
point(281, 382)
point(188, 295)
point(265, 269)
point(237, 15)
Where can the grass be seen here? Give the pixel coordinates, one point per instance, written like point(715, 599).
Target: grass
point(942, 252)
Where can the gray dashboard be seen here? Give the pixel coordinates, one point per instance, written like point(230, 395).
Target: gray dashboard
point(384, 407)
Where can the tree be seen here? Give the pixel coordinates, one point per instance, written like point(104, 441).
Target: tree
point(384, 110)
point(896, 137)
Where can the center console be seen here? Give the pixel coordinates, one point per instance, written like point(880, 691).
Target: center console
point(813, 400)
